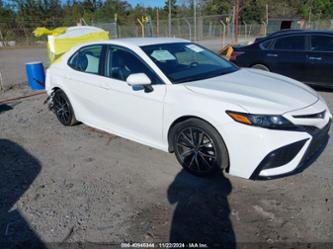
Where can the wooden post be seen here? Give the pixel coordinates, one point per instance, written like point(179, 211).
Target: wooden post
point(195, 35)
point(224, 32)
point(267, 19)
point(157, 22)
point(142, 27)
point(233, 22)
point(116, 24)
point(2, 88)
point(2, 39)
point(236, 21)
point(169, 19)
point(189, 28)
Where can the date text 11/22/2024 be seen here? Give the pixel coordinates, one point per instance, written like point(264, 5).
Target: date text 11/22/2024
point(163, 245)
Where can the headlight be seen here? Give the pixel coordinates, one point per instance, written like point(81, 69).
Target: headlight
point(265, 121)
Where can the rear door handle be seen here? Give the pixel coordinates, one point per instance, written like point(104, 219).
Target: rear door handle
point(312, 58)
point(272, 55)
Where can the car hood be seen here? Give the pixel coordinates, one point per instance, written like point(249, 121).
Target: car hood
point(257, 91)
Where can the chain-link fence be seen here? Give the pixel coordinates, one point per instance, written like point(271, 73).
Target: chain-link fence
point(320, 25)
point(204, 28)
point(218, 27)
point(213, 32)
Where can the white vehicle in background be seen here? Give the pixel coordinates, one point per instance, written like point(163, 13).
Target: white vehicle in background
point(177, 96)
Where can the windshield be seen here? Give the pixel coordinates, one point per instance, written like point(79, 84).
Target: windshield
point(184, 62)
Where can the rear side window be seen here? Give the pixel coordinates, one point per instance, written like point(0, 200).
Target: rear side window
point(290, 43)
point(87, 59)
point(322, 43)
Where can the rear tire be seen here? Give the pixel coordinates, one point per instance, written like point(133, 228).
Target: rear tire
point(63, 108)
point(261, 67)
point(199, 148)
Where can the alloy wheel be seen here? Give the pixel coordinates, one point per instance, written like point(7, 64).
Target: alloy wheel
point(62, 109)
point(196, 150)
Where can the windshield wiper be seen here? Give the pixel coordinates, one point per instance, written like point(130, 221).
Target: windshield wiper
point(191, 79)
point(203, 77)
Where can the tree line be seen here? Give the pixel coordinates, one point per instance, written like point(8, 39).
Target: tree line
point(53, 13)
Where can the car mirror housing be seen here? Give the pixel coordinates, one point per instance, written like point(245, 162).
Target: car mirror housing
point(138, 79)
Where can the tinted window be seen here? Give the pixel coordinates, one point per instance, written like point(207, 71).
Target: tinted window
point(266, 44)
point(184, 62)
point(73, 61)
point(121, 63)
point(291, 43)
point(321, 43)
point(87, 59)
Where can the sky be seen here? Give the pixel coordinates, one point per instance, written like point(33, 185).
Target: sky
point(148, 3)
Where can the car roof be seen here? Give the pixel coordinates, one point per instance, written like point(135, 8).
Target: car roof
point(288, 32)
point(297, 31)
point(138, 42)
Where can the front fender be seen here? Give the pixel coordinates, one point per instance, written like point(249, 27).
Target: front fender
point(181, 103)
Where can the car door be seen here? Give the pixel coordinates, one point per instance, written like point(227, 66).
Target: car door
point(320, 60)
point(287, 56)
point(132, 112)
point(85, 83)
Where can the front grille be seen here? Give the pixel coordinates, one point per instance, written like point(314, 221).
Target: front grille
point(319, 138)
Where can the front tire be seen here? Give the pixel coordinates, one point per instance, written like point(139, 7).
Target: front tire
point(63, 108)
point(199, 148)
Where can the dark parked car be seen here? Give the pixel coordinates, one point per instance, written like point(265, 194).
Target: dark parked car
point(304, 55)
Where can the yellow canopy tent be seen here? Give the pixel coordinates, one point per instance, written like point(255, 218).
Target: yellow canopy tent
point(61, 40)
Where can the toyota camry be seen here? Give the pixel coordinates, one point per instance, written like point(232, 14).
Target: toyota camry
point(179, 97)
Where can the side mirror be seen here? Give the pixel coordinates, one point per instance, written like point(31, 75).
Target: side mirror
point(140, 79)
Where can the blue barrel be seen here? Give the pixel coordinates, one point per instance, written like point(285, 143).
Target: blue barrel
point(36, 75)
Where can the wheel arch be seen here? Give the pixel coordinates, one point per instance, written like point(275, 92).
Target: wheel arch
point(263, 64)
point(179, 120)
point(56, 87)
point(184, 118)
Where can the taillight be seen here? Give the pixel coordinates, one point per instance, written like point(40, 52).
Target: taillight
point(235, 54)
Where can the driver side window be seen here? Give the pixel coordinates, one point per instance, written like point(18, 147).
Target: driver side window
point(121, 63)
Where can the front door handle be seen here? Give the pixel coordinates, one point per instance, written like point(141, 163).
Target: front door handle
point(272, 55)
point(312, 58)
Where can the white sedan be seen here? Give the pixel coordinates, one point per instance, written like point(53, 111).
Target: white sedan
point(179, 97)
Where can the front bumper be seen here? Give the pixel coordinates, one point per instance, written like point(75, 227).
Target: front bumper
point(259, 153)
point(285, 154)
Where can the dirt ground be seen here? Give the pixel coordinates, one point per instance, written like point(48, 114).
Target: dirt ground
point(60, 184)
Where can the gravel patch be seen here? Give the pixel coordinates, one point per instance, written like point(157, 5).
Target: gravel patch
point(77, 184)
